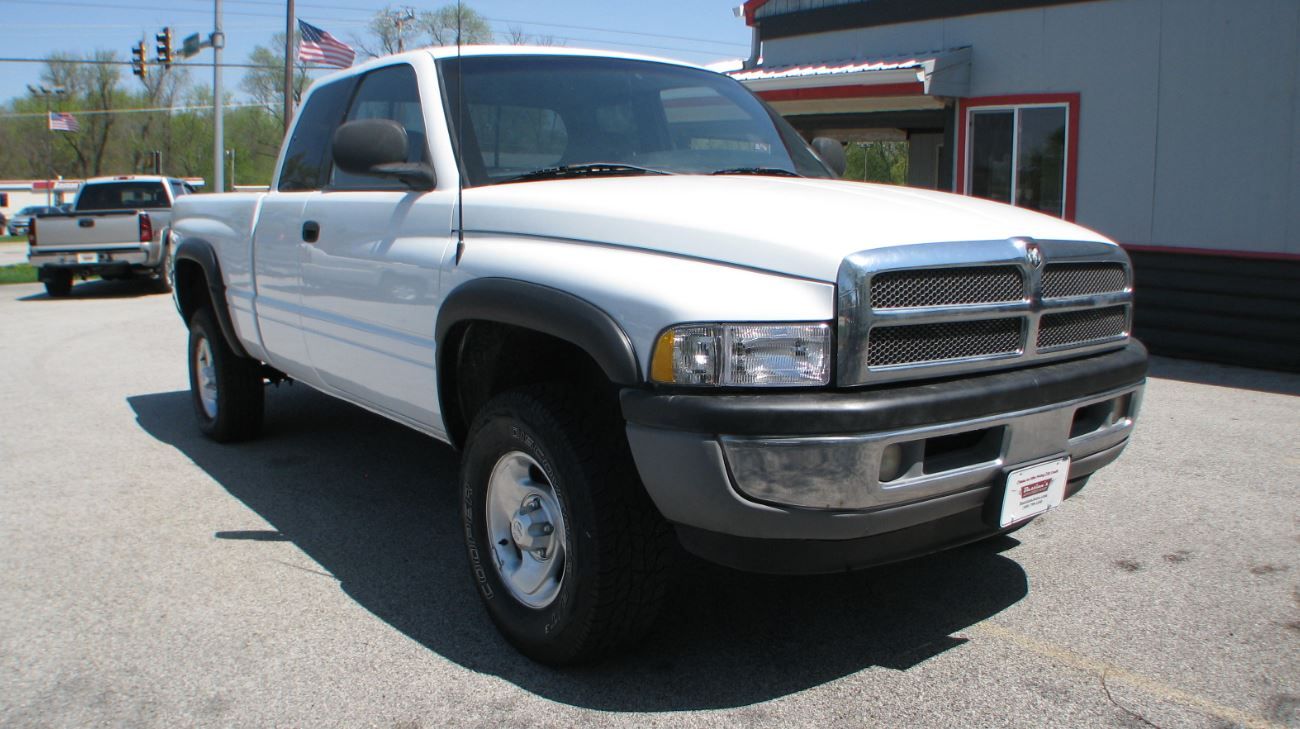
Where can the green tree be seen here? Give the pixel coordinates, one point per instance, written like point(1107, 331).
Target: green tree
point(264, 83)
point(440, 26)
point(877, 162)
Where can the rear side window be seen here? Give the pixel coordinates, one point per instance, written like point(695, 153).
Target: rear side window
point(307, 161)
point(388, 93)
point(121, 196)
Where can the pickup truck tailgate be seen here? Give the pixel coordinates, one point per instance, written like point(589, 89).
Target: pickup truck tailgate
point(89, 230)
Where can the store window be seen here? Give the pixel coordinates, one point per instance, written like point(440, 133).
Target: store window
point(1021, 151)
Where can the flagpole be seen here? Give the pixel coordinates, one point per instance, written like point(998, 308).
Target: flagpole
point(218, 132)
point(288, 65)
point(49, 155)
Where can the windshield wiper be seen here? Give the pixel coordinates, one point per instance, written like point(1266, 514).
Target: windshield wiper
point(609, 169)
point(773, 171)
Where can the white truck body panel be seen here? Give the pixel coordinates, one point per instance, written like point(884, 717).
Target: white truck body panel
point(796, 227)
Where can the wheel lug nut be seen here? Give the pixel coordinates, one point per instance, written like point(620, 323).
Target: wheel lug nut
point(547, 529)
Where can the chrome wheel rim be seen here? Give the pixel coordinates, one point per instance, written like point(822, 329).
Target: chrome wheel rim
point(526, 527)
point(205, 376)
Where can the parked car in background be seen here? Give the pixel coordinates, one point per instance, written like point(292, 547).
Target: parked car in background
point(112, 232)
point(23, 218)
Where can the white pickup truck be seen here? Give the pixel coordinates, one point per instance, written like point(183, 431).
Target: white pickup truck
point(113, 231)
point(647, 314)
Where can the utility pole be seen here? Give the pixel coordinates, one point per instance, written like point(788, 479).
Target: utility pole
point(231, 153)
point(218, 133)
point(401, 18)
point(289, 29)
point(47, 92)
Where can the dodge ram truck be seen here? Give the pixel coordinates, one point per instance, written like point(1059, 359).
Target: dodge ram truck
point(649, 317)
point(113, 231)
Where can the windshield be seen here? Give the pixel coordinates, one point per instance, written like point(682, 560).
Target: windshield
point(122, 195)
point(539, 117)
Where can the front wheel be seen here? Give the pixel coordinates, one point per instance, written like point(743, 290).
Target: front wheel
point(568, 552)
point(226, 389)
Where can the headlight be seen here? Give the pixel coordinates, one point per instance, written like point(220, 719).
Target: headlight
point(743, 355)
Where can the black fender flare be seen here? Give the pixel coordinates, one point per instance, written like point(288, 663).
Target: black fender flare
point(546, 310)
point(202, 253)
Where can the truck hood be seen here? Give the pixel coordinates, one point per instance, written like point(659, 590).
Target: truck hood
point(797, 227)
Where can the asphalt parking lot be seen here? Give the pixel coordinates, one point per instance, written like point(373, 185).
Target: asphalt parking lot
point(149, 577)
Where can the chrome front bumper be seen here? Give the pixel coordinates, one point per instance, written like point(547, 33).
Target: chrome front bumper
point(845, 472)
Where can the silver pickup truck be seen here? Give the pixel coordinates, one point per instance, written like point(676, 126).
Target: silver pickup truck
point(648, 315)
point(113, 231)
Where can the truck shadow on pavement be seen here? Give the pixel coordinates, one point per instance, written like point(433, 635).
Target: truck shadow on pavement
point(99, 289)
point(374, 504)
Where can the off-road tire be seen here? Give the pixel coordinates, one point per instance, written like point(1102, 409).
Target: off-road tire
point(618, 548)
point(239, 384)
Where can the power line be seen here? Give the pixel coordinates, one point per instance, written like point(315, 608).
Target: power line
point(96, 62)
point(265, 3)
point(140, 110)
point(272, 3)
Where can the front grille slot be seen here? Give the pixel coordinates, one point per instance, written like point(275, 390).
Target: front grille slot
point(1075, 328)
point(1061, 280)
point(919, 343)
point(947, 287)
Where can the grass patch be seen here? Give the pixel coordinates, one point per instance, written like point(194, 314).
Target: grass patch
point(17, 273)
point(13, 239)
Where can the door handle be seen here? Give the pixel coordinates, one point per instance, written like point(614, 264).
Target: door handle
point(311, 231)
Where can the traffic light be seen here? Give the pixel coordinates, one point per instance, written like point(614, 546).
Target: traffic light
point(164, 47)
point(140, 60)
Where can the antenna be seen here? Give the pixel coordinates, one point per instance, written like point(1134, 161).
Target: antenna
point(460, 147)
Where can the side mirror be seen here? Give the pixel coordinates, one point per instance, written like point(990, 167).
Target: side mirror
point(379, 147)
point(832, 153)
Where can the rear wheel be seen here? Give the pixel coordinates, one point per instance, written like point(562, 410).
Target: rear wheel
point(58, 283)
point(568, 552)
point(164, 277)
point(226, 389)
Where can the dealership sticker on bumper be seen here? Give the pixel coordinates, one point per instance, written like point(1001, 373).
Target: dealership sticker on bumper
point(1034, 489)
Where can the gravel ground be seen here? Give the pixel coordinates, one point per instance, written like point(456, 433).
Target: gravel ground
point(149, 577)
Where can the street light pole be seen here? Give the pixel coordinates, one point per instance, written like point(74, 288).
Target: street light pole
point(46, 92)
point(218, 132)
point(288, 65)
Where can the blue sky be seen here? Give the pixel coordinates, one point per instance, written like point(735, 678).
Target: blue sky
point(691, 30)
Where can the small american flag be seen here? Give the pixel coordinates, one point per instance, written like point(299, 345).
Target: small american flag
point(63, 122)
point(318, 46)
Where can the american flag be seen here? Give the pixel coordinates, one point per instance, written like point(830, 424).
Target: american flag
point(63, 122)
point(318, 46)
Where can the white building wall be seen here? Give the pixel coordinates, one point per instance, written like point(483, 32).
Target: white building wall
point(1189, 108)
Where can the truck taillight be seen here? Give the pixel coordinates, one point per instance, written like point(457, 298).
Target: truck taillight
point(146, 228)
point(31, 231)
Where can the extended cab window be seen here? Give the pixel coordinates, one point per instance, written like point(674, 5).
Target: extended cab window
point(122, 196)
point(389, 93)
point(307, 159)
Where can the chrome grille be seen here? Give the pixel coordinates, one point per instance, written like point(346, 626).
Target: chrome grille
point(896, 345)
point(946, 287)
point(1061, 280)
point(937, 309)
point(1073, 328)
